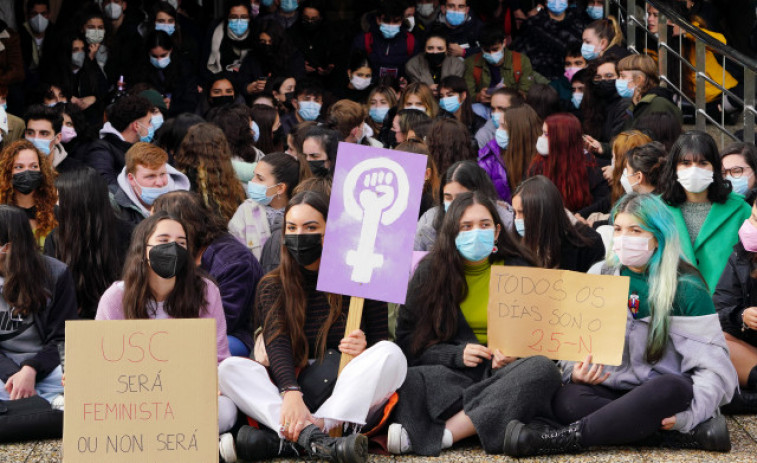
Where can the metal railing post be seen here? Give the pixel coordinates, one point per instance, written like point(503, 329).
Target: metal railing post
point(630, 25)
point(701, 122)
point(662, 42)
point(749, 82)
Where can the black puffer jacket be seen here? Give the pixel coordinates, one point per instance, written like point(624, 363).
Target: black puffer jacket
point(734, 293)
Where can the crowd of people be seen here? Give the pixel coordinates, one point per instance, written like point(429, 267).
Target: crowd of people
point(157, 163)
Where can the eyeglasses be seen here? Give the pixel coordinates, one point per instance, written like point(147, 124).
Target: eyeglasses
point(734, 172)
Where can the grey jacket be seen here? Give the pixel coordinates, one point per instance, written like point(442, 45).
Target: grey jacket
point(417, 69)
point(696, 349)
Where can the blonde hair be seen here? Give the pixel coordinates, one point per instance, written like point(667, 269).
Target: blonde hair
point(423, 92)
point(623, 143)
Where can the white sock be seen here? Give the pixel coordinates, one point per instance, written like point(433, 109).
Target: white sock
point(447, 439)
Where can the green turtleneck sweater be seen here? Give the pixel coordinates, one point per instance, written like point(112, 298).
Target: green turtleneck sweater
point(474, 306)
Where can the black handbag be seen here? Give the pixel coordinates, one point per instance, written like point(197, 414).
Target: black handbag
point(317, 380)
point(31, 418)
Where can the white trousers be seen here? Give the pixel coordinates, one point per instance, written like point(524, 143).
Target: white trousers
point(366, 383)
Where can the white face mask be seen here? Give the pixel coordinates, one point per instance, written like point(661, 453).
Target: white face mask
point(695, 179)
point(542, 145)
point(95, 35)
point(360, 83)
point(632, 251)
point(627, 183)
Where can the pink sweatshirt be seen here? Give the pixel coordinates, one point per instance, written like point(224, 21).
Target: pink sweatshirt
point(111, 308)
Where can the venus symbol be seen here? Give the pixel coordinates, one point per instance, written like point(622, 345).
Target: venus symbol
point(375, 193)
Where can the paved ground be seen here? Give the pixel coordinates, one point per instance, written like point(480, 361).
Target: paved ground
point(743, 437)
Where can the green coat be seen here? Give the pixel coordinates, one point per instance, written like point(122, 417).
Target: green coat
point(527, 77)
point(719, 233)
point(651, 103)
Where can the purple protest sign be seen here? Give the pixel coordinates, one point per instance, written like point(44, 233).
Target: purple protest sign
point(373, 213)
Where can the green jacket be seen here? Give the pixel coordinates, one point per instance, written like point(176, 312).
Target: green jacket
point(719, 233)
point(651, 103)
point(527, 75)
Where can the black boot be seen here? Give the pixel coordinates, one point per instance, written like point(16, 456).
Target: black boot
point(709, 435)
point(522, 440)
point(257, 444)
point(349, 449)
point(744, 402)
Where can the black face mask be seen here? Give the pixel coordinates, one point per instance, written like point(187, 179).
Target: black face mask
point(266, 50)
point(305, 248)
point(435, 59)
point(216, 101)
point(318, 168)
point(27, 181)
point(31, 213)
point(167, 259)
point(605, 88)
point(311, 26)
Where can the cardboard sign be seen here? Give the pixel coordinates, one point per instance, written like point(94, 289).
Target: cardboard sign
point(141, 391)
point(560, 314)
point(373, 214)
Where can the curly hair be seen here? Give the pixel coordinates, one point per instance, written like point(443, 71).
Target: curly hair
point(45, 197)
point(205, 157)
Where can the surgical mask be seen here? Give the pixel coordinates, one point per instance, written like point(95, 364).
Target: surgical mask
point(174, 4)
point(27, 181)
point(495, 118)
point(150, 194)
point(255, 10)
point(632, 251)
point(41, 144)
point(309, 110)
point(605, 89)
point(167, 28)
point(67, 134)
point(39, 24)
point(150, 134)
point(266, 3)
point(94, 35)
point(221, 100)
point(447, 204)
point(557, 6)
point(450, 103)
point(287, 6)
point(255, 131)
point(77, 58)
point(494, 58)
point(595, 12)
point(626, 184)
point(160, 63)
point(304, 248)
point(542, 146)
point(156, 120)
point(389, 31)
point(621, 85)
point(475, 245)
point(360, 83)
point(695, 179)
point(740, 185)
point(589, 52)
point(576, 99)
point(238, 27)
point(503, 138)
point(378, 114)
point(168, 259)
point(435, 59)
point(520, 226)
point(318, 168)
point(257, 192)
point(570, 72)
point(748, 236)
point(455, 18)
point(425, 9)
point(113, 11)
point(410, 20)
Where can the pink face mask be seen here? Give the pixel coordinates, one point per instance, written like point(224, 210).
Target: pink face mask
point(748, 236)
point(570, 72)
point(632, 251)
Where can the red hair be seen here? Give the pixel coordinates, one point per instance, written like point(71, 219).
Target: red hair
point(566, 165)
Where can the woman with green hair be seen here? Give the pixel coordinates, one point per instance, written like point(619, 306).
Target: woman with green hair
point(675, 371)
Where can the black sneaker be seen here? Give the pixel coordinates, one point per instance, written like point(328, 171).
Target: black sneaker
point(522, 440)
point(262, 444)
point(349, 449)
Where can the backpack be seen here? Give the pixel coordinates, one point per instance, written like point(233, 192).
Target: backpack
point(478, 68)
point(409, 39)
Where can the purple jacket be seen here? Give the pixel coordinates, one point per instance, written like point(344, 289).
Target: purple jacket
point(490, 160)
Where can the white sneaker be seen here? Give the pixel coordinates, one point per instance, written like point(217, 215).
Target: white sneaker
point(226, 448)
point(58, 402)
point(397, 441)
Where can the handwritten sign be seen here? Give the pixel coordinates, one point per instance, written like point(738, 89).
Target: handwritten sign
point(560, 314)
point(141, 391)
point(373, 214)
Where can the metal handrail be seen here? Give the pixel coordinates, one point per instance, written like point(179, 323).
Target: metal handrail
point(626, 13)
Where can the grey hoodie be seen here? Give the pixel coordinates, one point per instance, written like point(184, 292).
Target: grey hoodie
point(176, 181)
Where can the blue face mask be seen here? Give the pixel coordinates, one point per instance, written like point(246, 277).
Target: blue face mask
point(447, 204)
point(588, 52)
point(149, 195)
point(160, 63)
point(455, 18)
point(389, 31)
point(41, 144)
point(475, 245)
point(495, 119)
point(266, 2)
point(621, 86)
point(740, 185)
point(595, 12)
point(257, 192)
point(576, 99)
point(157, 121)
point(255, 131)
point(378, 114)
point(520, 226)
point(167, 28)
point(450, 104)
point(557, 6)
point(494, 58)
point(503, 138)
point(238, 27)
point(287, 6)
point(150, 134)
point(309, 110)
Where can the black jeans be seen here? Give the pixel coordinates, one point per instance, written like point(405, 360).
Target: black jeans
point(613, 417)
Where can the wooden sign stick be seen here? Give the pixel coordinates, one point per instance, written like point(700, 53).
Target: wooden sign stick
point(354, 317)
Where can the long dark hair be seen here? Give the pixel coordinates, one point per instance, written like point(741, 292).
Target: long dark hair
point(234, 120)
point(204, 225)
point(471, 176)
point(265, 116)
point(700, 145)
point(457, 84)
point(289, 311)
point(436, 296)
point(24, 270)
point(547, 225)
point(187, 300)
point(86, 237)
point(593, 106)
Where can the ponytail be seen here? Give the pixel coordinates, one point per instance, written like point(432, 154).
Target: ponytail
point(607, 29)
